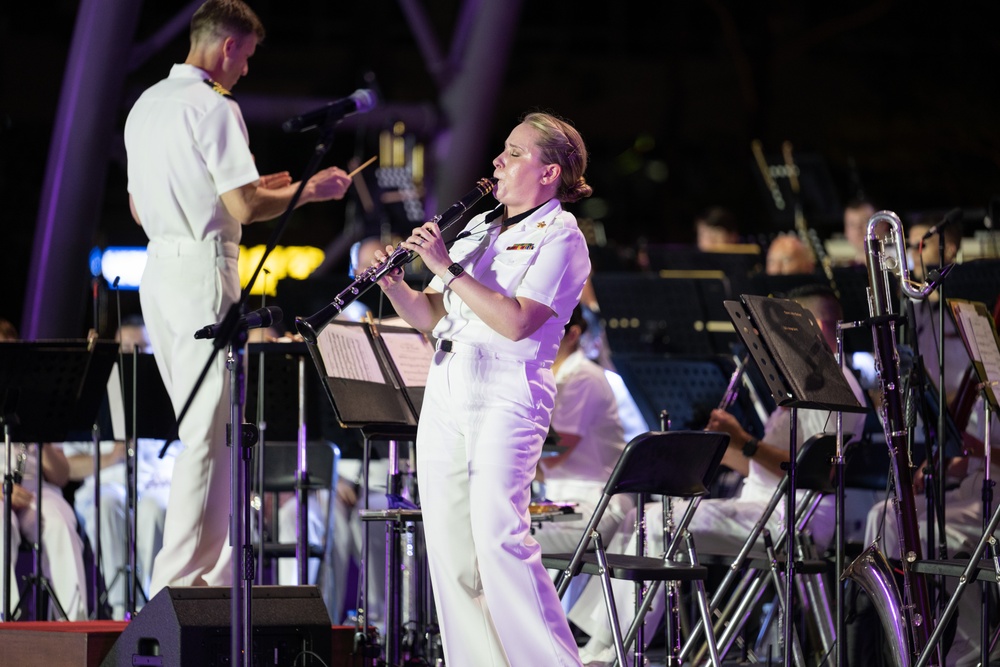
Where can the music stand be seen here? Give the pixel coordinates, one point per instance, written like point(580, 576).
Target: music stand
point(738, 267)
point(977, 280)
point(801, 371)
point(47, 390)
point(688, 388)
point(151, 417)
point(277, 376)
point(671, 313)
point(374, 377)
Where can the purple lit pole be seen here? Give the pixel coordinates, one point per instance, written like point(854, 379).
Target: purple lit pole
point(469, 78)
point(73, 189)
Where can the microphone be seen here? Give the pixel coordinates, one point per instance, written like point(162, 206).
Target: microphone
point(361, 100)
point(953, 216)
point(263, 317)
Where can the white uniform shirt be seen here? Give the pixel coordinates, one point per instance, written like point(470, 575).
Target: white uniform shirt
point(543, 258)
point(176, 189)
point(585, 406)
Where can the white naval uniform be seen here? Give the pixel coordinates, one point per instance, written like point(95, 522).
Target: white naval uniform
point(153, 484)
point(62, 548)
point(719, 525)
point(484, 418)
point(187, 145)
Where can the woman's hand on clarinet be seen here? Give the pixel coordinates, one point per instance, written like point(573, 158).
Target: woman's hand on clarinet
point(391, 279)
point(426, 242)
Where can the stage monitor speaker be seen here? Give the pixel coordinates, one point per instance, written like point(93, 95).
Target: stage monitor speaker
point(190, 626)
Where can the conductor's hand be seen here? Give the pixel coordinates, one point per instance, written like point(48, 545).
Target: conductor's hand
point(426, 241)
point(330, 183)
point(275, 181)
point(393, 278)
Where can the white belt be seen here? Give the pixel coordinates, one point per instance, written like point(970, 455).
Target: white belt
point(465, 349)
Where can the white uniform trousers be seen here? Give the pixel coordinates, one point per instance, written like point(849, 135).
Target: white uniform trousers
point(482, 425)
point(185, 286)
point(348, 542)
point(62, 551)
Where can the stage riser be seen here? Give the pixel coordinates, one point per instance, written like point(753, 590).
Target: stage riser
point(83, 645)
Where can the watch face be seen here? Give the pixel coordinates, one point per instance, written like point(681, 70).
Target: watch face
point(456, 269)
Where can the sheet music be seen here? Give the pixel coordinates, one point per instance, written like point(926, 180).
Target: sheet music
point(412, 354)
point(980, 339)
point(348, 354)
point(116, 404)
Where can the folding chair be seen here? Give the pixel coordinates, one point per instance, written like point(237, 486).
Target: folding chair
point(813, 473)
point(678, 464)
point(281, 476)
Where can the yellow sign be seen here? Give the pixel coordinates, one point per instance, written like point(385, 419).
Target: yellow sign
point(284, 262)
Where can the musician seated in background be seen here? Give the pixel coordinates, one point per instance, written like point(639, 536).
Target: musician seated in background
point(62, 551)
point(721, 525)
point(152, 487)
point(857, 213)
point(591, 438)
point(788, 255)
point(715, 228)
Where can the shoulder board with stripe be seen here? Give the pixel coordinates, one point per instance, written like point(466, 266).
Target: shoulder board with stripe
point(214, 85)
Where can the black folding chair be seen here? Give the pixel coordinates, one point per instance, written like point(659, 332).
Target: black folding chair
point(678, 464)
point(759, 569)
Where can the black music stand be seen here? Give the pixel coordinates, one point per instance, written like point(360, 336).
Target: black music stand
point(801, 371)
point(277, 377)
point(148, 414)
point(688, 388)
point(47, 391)
point(374, 377)
point(673, 313)
point(976, 280)
point(738, 267)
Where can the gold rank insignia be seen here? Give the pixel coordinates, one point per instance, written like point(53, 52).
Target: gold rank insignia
point(540, 225)
point(217, 87)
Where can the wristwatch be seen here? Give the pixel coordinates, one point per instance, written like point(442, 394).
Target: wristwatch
point(454, 271)
point(750, 447)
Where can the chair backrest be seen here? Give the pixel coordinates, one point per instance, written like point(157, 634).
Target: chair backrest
point(670, 463)
point(281, 463)
point(814, 464)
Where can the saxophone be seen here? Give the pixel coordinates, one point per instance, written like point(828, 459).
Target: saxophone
point(905, 617)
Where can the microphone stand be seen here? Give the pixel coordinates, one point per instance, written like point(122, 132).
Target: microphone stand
point(942, 403)
point(231, 333)
point(988, 483)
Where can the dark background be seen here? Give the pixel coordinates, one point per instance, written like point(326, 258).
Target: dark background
point(894, 99)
